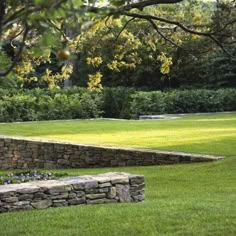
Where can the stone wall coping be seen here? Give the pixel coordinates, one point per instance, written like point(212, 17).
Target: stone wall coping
point(66, 181)
point(102, 147)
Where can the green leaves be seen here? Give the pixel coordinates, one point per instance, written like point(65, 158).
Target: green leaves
point(39, 2)
point(77, 3)
point(117, 3)
point(48, 39)
point(5, 61)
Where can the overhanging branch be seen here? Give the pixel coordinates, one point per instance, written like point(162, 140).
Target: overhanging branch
point(142, 4)
point(17, 56)
point(162, 35)
point(123, 28)
point(149, 18)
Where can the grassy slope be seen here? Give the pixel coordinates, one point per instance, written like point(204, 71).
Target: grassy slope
point(207, 134)
point(197, 199)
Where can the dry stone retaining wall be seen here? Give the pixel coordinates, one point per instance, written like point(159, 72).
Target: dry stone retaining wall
point(105, 188)
point(24, 153)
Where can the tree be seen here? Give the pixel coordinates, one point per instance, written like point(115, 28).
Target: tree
point(36, 28)
point(209, 70)
point(153, 53)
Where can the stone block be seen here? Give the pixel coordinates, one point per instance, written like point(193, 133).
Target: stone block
point(120, 180)
point(80, 194)
point(103, 190)
point(42, 204)
point(95, 196)
point(123, 192)
point(28, 190)
point(60, 196)
point(71, 195)
point(25, 197)
point(63, 162)
point(78, 186)
point(138, 198)
point(40, 195)
point(91, 184)
point(58, 189)
point(137, 188)
point(103, 185)
point(22, 203)
point(136, 179)
point(111, 192)
point(76, 201)
point(10, 199)
point(59, 203)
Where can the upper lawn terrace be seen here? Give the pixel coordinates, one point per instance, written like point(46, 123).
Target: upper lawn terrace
point(194, 199)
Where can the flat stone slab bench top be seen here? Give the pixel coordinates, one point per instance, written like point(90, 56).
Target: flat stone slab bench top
point(111, 187)
point(158, 117)
point(179, 115)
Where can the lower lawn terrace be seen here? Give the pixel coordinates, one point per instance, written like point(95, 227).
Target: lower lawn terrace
point(193, 199)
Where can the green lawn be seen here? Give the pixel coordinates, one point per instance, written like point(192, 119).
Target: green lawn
point(194, 199)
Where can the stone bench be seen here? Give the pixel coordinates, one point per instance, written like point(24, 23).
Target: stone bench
point(103, 188)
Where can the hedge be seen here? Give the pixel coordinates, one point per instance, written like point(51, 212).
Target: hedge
point(32, 106)
point(75, 102)
point(182, 101)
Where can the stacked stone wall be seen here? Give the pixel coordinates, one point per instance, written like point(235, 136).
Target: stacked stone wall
point(18, 153)
point(105, 188)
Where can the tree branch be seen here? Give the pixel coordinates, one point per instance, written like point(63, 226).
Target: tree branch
point(142, 4)
point(7, 71)
point(59, 30)
point(135, 5)
point(162, 35)
point(178, 24)
point(123, 28)
point(168, 21)
point(26, 11)
point(14, 16)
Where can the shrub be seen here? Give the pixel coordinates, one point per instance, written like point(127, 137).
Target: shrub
point(191, 101)
point(116, 102)
point(147, 103)
point(17, 108)
point(49, 105)
point(182, 101)
point(228, 99)
point(75, 103)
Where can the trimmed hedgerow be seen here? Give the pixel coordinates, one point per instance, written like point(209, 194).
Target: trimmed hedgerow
point(47, 105)
point(182, 101)
point(75, 102)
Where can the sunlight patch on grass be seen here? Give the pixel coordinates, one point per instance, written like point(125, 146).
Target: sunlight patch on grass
point(189, 133)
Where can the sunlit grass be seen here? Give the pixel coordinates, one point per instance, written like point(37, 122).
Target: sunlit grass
point(184, 200)
point(189, 134)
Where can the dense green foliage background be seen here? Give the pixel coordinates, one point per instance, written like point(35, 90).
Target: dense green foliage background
point(120, 50)
point(76, 102)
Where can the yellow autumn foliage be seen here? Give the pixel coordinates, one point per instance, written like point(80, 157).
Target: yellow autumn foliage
point(95, 61)
point(94, 81)
point(166, 62)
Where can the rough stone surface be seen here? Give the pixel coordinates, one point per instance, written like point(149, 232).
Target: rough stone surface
point(25, 153)
point(112, 192)
point(123, 192)
point(42, 204)
point(105, 188)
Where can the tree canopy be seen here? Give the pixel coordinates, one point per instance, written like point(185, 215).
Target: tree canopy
point(33, 30)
